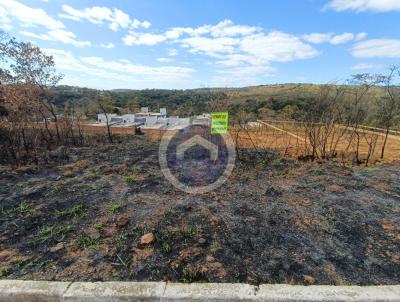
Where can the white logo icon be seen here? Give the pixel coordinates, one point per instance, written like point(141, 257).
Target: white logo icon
point(200, 175)
point(197, 140)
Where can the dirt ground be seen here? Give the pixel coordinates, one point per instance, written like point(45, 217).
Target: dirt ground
point(290, 141)
point(274, 221)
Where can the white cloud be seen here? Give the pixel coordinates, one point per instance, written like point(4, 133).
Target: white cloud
point(120, 73)
point(364, 5)
point(108, 45)
point(242, 53)
point(227, 28)
point(164, 60)
point(26, 16)
point(29, 17)
point(58, 35)
point(131, 69)
point(115, 18)
point(343, 38)
point(135, 38)
point(367, 66)
point(210, 46)
point(223, 29)
point(361, 36)
point(277, 47)
point(172, 52)
point(238, 59)
point(5, 21)
point(319, 38)
point(377, 48)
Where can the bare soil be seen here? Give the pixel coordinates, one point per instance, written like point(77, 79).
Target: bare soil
point(274, 221)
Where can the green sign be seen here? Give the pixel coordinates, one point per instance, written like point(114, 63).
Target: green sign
point(219, 122)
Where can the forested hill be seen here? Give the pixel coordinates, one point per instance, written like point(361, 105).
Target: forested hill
point(252, 100)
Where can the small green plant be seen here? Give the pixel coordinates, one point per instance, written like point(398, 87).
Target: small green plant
point(84, 241)
point(5, 271)
point(191, 273)
point(154, 272)
point(38, 263)
point(120, 239)
point(8, 214)
point(25, 209)
point(115, 207)
point(121, 261)
point(73, 212)
point(57, 233)
point(129, 179)
point(99, 226)
point(135, 169)
point(166, 247)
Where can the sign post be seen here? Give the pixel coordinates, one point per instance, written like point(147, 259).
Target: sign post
point(219, 122)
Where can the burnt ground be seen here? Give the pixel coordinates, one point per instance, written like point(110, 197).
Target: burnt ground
point(274, 221)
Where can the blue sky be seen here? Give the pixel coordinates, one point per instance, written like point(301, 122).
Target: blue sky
point(177, 44)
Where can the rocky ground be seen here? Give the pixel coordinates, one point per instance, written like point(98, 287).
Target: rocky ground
point(107, 213)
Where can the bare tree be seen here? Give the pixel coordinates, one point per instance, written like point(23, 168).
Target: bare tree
point(106, 105)
point(389, 104)
point(321, 120)
point(356, 108)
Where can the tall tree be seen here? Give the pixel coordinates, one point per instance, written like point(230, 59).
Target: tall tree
point(389, 104)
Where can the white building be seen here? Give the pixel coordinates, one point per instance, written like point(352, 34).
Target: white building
point(151, 120)
point(102, 118)
point(148, 120)
point(128, 118)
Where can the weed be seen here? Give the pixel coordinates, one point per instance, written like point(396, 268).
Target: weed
point(137, 228)
point(57, 233)
point(191, 273)
point(84, 241)
point(8, 214)
point(329, 222)
point(32, 263)
point(122, 261)
point(99, 226)
point(120, 239)
point(24, 209)
point(135, 169)
point(129, 179)
point(114, 207)
point(154, 272)
point(73, 212)
point(5, 271)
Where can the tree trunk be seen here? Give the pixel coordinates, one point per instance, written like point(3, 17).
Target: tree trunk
point(384, 143)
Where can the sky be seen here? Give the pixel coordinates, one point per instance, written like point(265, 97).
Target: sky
point(181, 44)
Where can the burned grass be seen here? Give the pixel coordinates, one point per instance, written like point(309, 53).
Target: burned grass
point(115, 217)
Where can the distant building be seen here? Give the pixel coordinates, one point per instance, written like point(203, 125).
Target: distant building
point(128, 118)
point(152, 120)
point(101, 117)
point(116, 120)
